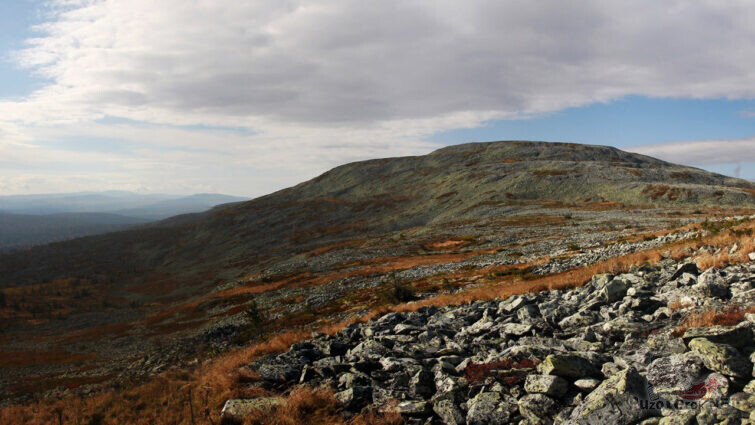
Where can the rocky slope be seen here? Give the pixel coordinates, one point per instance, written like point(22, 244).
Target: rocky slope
point(610, 352)
point(127, 304)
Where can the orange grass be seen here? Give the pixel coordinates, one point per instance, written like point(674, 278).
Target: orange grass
point(730, 316)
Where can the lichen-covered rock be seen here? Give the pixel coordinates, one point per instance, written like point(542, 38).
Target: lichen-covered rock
point(550, 385)
point(235, 410)
point(568, 366)
point(577, 320)
point(743, 402)
point(710, 413)
point(448, 412)
point(537, 408)
point(711, 284)
point(487, 408)
point(679, 417)
point(413, 408)
point(736, 336)
point(614, 290)
point(616, 401)
point(676, 372)
point(354, 398)
point(586, 384)
point(721, 358)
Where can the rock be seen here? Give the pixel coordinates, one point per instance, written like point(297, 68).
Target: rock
point(736, 336)
point(280, 373)
point(235, 410)
point(528, 312)
point(486, 408)
point(511, 304)
point(614, 290)
point(712, 414)
point(710, 284)
point(349, 379)
point(422, 384)
point(369, 350)
point(690, 268)
point(537, 408)
point(721, 358)
point(750, 387)
point(516, 329)
point(413, 408)
point(676, 372)
point(577, 320)
point(743, 402)
point(568, 366)
point(355, 398)
point(586, 384)
point(447, 411)
point(679, 417)
point(751, 256)
point(550, 385)
point(616, 401)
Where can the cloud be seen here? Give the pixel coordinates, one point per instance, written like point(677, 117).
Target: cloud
point(318, 83)
point(702, 152)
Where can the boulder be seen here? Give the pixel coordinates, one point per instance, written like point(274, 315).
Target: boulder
point(515, 329)
point(679, 417)
point(736, 336)
point(721, 358)
point(280, 373)
point(616, 401)
point(675, 372)
point(586, 384)
point(422, 384)
point(448, 412)
point(577, 320)
point(690, 268)
point(537, 408)
point(355, 398)
point(487, 408)
point(235, 410)
point(711, 284)
point(568, 366)
point(550, 385)
point(414, 408)
point(743, 402)
point(614, 290)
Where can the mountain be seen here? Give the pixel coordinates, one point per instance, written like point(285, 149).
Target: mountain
point(24, 230)
point(143, 206)
point(340, 244)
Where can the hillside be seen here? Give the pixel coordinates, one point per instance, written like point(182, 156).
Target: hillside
point(338, 245)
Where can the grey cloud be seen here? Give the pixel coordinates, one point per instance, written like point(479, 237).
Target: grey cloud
point(321, 62)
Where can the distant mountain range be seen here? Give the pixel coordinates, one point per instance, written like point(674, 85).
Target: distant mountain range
point(28, 220)
point(144, 206)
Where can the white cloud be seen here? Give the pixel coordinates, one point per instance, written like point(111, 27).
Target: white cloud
point(322, 82)
point(701, 152)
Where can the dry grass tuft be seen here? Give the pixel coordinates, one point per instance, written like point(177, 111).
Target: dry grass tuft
point(730, 316)
point(305, 405)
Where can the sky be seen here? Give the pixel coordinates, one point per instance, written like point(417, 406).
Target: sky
point(248, 97)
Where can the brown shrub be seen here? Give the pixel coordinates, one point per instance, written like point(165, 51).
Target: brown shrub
point(506, 371)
